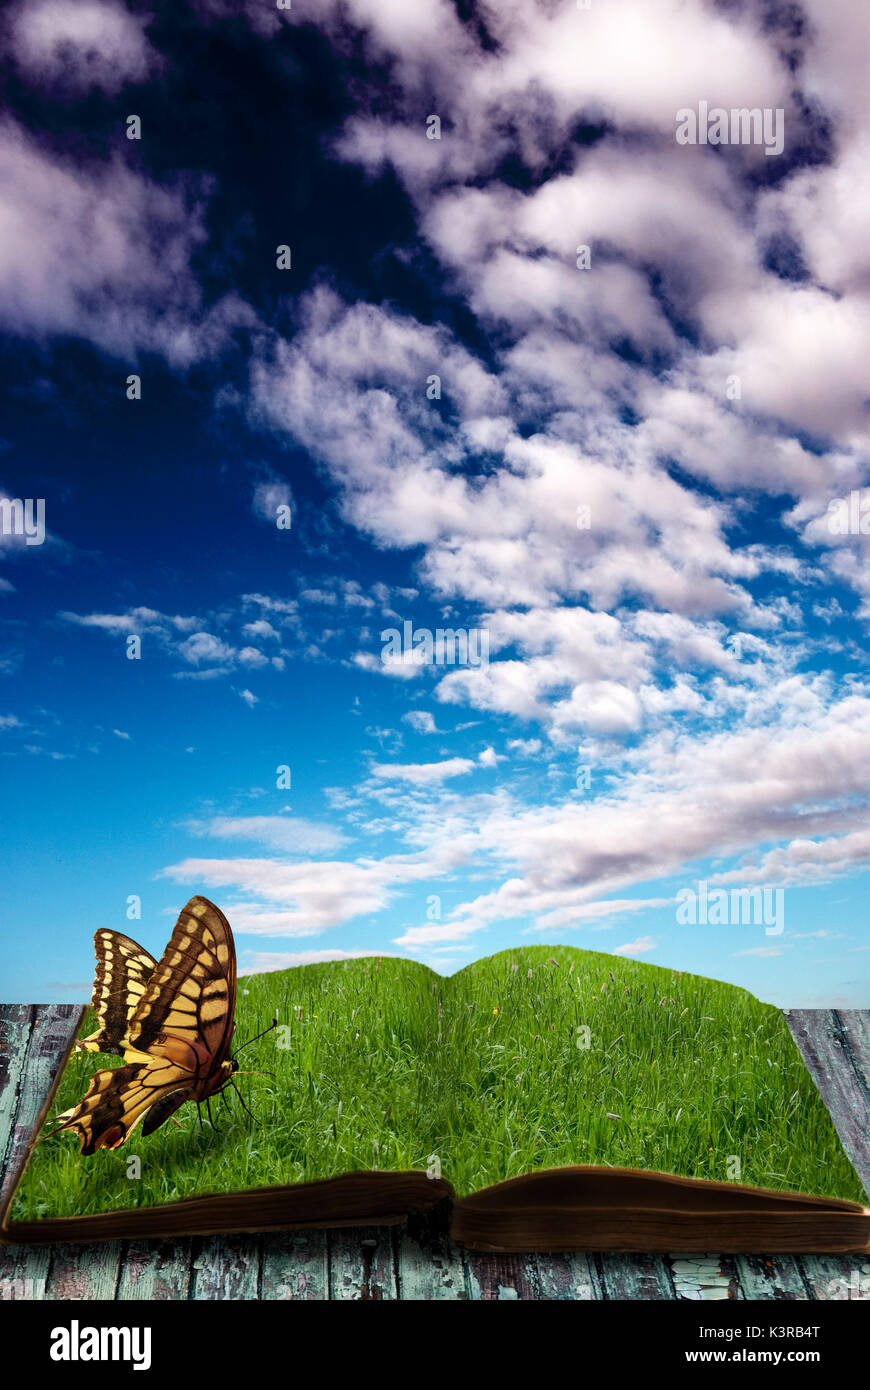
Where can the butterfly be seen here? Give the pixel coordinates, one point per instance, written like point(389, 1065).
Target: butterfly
point(171, 1021)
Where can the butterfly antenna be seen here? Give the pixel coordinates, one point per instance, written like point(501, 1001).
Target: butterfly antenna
point(272, 1025)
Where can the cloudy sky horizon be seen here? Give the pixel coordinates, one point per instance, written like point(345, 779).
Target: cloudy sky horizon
point(422, 314)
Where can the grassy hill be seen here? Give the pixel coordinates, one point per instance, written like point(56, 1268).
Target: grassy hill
point(533, 1058)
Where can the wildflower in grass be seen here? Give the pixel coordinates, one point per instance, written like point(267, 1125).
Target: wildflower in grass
point(495, 1011)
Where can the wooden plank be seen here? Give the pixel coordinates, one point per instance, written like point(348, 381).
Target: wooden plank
point(818, 1034)
point(44, 1033)
point(775, 1277)
point(635, 1276)
point(155, 1270)
point(16, 1025)
point(856, 1024)
point(361, 1264)
point(704, 1278)
point(502, 1278)
point(54, 1025)
point(568, 1277)
point(226, 1268)
point(24, 1271)
point(84, 1272)
point(834, 1278)
point(295, 1265)
point(429, 1265)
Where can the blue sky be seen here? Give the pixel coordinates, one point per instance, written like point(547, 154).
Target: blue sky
point(624, 478)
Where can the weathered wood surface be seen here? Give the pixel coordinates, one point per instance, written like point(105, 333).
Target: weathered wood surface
point(417, 1261)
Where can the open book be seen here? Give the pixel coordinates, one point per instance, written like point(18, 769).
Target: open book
point(547, 1098)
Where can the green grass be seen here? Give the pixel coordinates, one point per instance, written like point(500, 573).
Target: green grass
point(387, 1063)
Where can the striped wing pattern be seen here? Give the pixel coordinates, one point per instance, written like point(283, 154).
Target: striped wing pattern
point(192, 992)
point(123, 970)
point(116, 1101)
point(176, 1037)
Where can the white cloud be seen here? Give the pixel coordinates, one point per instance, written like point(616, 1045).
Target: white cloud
point(260, 628)
point(422, 774)
point(90, 43)
point(580, 915)
point(641, 947)
point(119, 250)
point(303, 899)
point(416, 938)
point(269, 499)
point(261, 962)
point(205, 647)
point(421, 721)
point(290, 833)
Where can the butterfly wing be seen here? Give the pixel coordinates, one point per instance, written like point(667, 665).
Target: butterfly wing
point(123, 971)
point(116, 1100)
point(186, 1010)
point(177, 1035)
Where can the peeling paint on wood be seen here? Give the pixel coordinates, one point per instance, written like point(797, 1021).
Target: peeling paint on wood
point(155, 1269)
point(635, 1276)
point(777, 1278)
point(16, 1023)
point(84, 1272)
point(361, 1264)
point(429, 1265)
point(571, 1277)
point(24, 1271)
point(704, 1278)
point(226, 1268)
point(51, 1030)
point(832, 1063)
point(295, 1265)
point(837, 1277)
point(503, 1278)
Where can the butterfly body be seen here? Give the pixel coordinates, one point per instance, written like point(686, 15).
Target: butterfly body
point(171, 1020)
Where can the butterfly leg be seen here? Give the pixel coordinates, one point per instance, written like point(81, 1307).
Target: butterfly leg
point(242, 1099)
